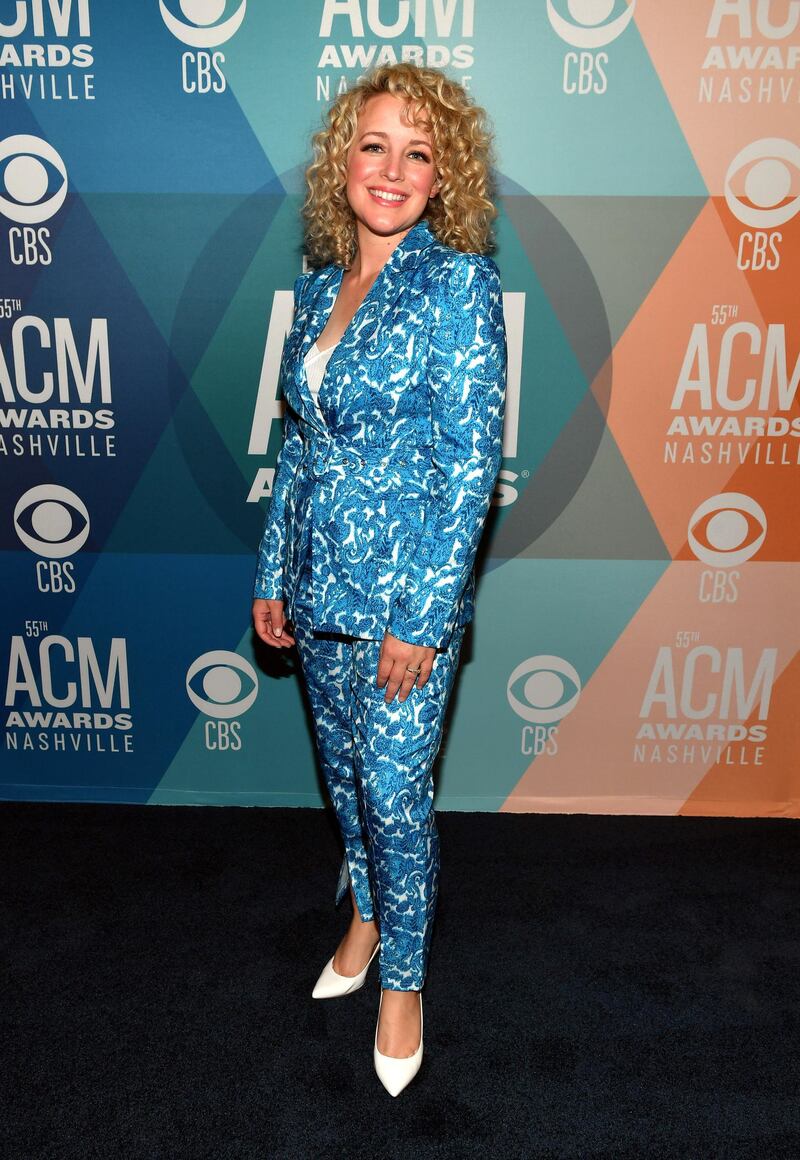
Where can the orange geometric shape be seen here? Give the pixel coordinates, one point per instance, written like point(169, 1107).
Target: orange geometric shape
point(704, 395)
point(771, 791)
point(729, 72)
point(684, 690)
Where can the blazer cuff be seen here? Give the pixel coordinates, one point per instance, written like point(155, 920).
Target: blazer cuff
point(266, 589)
point(431, 623)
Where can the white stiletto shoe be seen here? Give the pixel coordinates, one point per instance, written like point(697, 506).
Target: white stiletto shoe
point(393, 1072)
point(331, 984)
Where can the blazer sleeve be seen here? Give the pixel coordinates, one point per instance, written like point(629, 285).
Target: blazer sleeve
point(272, 548)
point(467, 362)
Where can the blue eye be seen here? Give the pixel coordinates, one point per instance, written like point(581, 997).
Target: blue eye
point(377, 145)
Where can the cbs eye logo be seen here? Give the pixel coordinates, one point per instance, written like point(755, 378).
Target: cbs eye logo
point(767, 185)
point(727, 529)
point(53, 523)
point(222, 695)
point(589, 26)
point(550, 689)
point(205, 27)
point(25, 178)
point(222, 692)
point(33, 187)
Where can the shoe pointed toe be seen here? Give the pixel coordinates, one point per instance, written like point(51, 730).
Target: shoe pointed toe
point(393, 1072)
point(327, 981)
point(331, 984)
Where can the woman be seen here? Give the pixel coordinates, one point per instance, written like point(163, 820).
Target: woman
point(393, 376)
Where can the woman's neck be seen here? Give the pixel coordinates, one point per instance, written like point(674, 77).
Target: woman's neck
point(372, 253)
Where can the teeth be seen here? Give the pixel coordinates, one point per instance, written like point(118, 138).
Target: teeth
point(388, 196)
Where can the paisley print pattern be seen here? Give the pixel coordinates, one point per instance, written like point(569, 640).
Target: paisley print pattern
point(380, 496)
point(396, 468)
point(377, 760)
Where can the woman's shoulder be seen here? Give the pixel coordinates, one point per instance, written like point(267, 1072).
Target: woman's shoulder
point(304, 283)
point(449, 260)
point(456, 269)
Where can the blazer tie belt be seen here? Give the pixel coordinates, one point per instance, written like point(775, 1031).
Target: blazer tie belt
point(321, 453)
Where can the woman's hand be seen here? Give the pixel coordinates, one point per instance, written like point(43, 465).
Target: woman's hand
point(395, 655)
point(270, 623)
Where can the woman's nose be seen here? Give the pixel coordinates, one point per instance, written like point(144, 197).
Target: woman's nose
point(393, 170)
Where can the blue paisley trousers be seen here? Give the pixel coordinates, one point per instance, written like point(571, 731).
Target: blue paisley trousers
point(377, 761)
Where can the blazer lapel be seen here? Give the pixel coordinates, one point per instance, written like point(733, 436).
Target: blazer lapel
point(380, 298)
point(325, 290)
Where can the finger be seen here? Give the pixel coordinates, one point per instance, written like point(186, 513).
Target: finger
point(385, 666)
point(285, 636)
point(394, 684)
point(275, 614)
point(422, 679)
point(261, 620)
point(285, 640)
point(261, 625)
point(268, 637)
point(407, 682)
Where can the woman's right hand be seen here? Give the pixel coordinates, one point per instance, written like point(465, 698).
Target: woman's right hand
point(270, 623)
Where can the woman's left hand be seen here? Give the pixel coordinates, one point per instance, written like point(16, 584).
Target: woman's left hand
point(395, 655)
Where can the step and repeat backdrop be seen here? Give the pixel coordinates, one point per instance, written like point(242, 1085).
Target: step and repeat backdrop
point(635, 646)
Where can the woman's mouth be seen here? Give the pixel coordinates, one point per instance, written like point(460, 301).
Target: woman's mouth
point(386, 198)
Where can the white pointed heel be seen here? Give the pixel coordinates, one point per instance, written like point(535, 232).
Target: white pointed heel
point(331, 984)
point(393, 1072)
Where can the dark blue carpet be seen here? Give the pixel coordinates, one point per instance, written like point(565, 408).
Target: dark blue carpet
point(612, 987)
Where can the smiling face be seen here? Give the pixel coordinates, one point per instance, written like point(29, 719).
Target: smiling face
point(390, 168)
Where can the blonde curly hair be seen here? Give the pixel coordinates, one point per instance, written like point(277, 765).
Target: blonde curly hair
point(462, 212)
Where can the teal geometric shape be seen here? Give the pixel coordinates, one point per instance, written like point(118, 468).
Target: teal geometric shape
point(605, 519)
point(275, 764)
point(166, 511)
point(185, 254)
point(199, 480)
point(625, 141)
point(226, 378)
point(275, 87)
point(553, 382)
point(526, 609)
point(158, 240)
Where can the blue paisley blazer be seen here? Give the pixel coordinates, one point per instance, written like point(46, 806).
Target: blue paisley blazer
point(392, 485)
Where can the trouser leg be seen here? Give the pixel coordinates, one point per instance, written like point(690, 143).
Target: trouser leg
point(325, 660)
point(395, 746)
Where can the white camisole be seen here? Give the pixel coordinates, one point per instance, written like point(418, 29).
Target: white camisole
point(316, 361)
